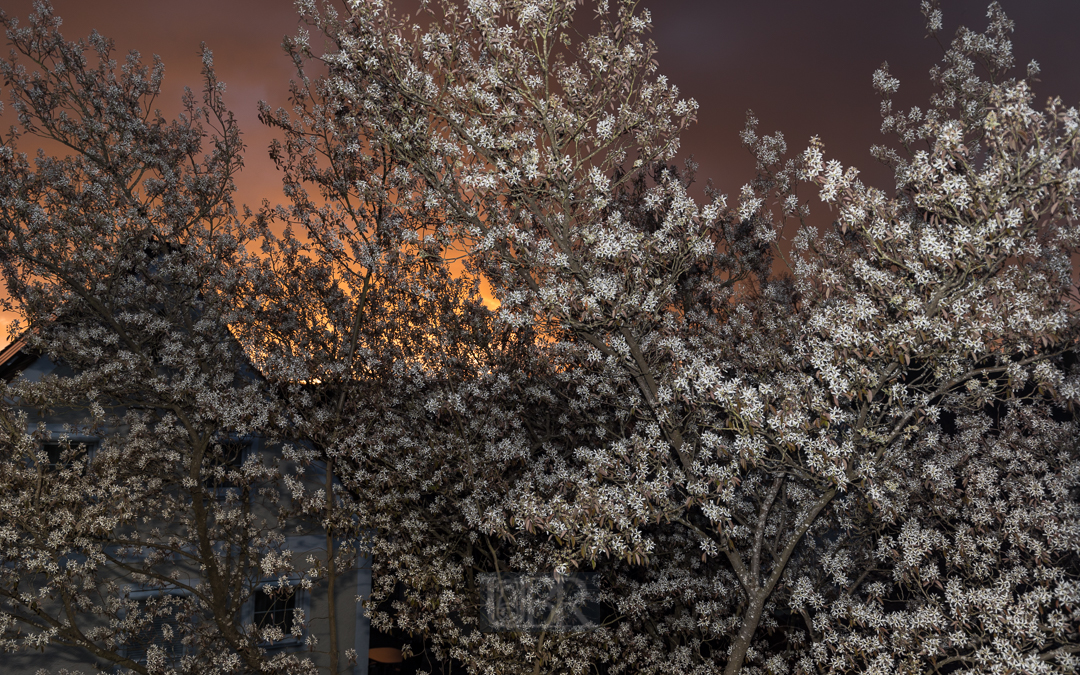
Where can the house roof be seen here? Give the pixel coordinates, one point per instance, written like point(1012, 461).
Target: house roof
point(14, 358)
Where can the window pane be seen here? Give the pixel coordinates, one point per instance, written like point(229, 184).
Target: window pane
point(52, 451)
point(80, 450)
point(275, 610)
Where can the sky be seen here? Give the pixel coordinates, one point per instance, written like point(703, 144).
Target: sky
point(803, 67)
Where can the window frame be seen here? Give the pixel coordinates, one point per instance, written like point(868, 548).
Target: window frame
point(302, 603)
point(91, 445)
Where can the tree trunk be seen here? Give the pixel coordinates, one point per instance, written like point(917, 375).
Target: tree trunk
point(331, 571)
point(751, 618)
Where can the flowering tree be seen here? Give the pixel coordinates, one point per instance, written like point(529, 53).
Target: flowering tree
point(122, 256)
point(965, 279)
point(862, 462)
point(390, 365)
point(722, 434)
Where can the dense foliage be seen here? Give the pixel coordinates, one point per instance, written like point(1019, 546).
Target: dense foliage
point(751, 445)
point(123, 256)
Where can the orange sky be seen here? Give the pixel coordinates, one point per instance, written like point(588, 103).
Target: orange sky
point(803, 67)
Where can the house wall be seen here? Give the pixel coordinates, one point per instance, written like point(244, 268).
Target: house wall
point(352, 626)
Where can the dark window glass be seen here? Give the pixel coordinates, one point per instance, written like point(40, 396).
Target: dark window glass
point(276, 609)
point(80, 450)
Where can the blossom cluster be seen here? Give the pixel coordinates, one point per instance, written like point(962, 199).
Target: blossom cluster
point(773, 449)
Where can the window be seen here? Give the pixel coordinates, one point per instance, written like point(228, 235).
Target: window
point(61, 455)
point(157, 623)
point(275, 607)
